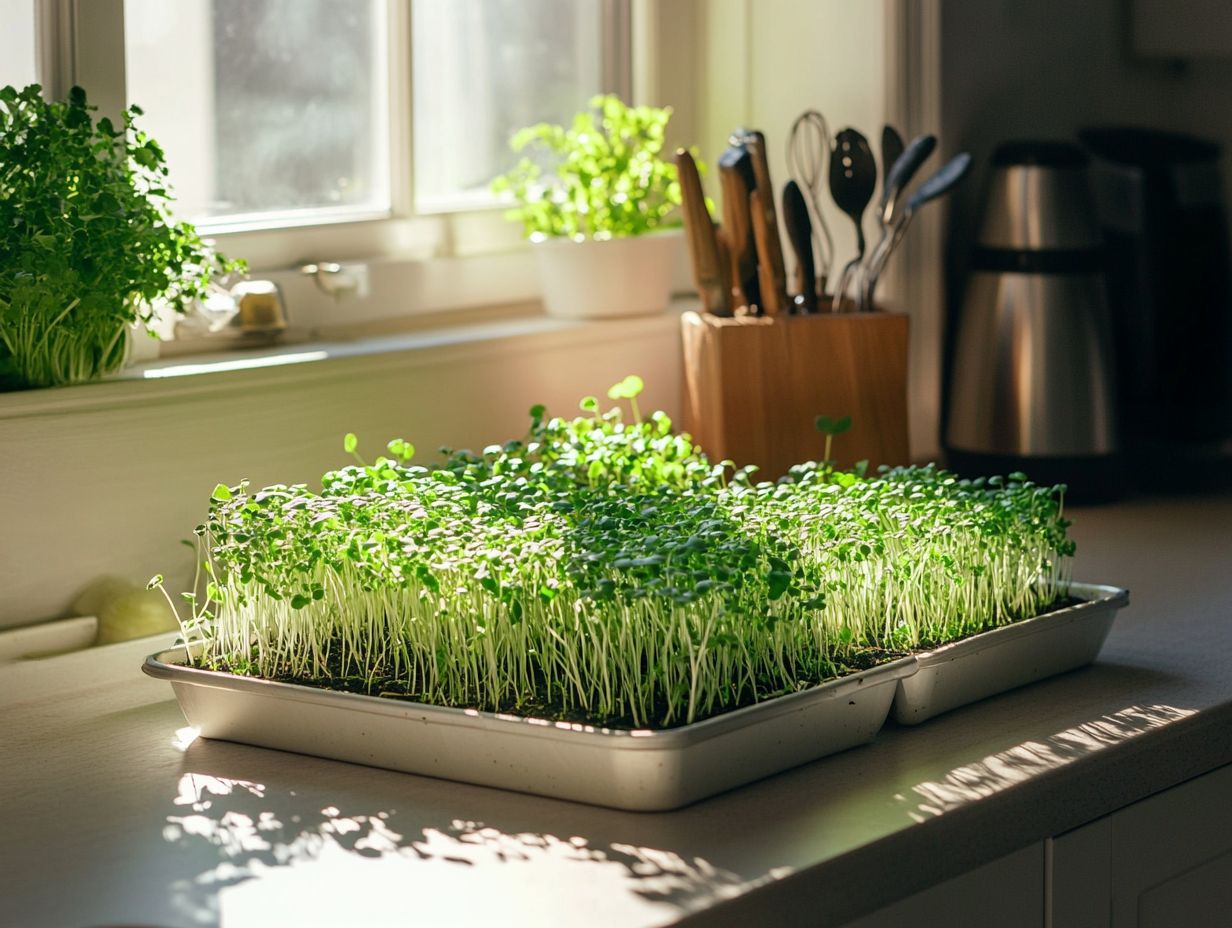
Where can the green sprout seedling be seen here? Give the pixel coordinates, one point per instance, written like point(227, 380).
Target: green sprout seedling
point(628, 389)
point(606, 570)
point(829, 428)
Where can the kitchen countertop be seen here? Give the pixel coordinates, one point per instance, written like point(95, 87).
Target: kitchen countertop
point(114, 815)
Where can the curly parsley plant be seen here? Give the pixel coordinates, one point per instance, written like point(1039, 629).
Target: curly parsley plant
point(87, 246)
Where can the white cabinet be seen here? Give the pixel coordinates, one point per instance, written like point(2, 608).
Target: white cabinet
point(1007, 893)
point(1164, 862)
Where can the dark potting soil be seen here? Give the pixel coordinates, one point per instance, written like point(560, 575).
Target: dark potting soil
point(552, 710)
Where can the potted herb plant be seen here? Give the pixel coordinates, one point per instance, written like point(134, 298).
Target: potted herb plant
point(598, 612)
point(596, 200)
point(87, 247)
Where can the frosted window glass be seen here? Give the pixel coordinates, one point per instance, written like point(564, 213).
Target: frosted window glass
point(17, 37)
point(264, 107)
point(483, 69)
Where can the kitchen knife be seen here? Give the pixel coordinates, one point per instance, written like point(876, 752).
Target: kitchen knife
point(800, 234)
point(700, 232)
point(736, 178)
point(772, 276)
point(725, 262)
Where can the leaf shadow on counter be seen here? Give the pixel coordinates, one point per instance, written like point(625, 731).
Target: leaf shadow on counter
point(487, 853)
point(255, 829)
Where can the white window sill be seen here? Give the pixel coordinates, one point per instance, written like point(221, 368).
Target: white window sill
point(299, 360)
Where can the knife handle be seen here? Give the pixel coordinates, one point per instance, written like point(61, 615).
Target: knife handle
point(735, 175)
point(699, 231)
point(725, 265)
point(772, 303)
point(774, 281)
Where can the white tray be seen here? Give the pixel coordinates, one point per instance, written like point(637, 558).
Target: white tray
point(995, 661)
point(635, 770)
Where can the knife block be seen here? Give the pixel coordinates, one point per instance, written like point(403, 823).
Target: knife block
point(754, 385)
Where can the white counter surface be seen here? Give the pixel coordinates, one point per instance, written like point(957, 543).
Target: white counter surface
point(107, 817)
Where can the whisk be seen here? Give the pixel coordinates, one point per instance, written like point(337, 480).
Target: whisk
point(807, 147)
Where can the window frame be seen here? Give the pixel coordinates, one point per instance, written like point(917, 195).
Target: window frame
point(78, 42)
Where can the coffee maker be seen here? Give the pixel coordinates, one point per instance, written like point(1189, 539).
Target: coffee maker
point(1032, 385)
point(1159, 204)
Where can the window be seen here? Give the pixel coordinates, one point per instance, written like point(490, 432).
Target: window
point(482, 70)
point(310, 131)
point(270, 111)
point(17, 65)
point(277, 113)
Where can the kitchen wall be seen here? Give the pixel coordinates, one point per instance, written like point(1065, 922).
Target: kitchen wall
point(1043, 69)
point(106, 479)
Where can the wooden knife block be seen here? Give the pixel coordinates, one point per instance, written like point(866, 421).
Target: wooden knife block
point(754, 386)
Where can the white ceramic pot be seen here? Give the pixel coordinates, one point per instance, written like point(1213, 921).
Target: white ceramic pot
point(615, 277)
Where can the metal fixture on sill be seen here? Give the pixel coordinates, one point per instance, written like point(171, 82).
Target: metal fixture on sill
point(338, 280)
point(262, 310)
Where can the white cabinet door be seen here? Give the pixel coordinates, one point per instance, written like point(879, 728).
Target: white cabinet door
point(1007, 893)
point(1164, 862)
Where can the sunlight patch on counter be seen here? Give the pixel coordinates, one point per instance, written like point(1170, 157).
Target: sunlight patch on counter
point(263, 864)
point(184, 737)
point(1023, 762)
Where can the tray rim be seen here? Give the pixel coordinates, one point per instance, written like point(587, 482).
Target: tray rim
point(164, 665)
point(1103, 597)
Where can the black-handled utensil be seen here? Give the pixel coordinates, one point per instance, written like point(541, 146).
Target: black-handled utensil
point(901, 173)
point(891, 150)
point(800, 234)
point(736, 178)
point(947, 177)
point(853, 178)
point(898, 176)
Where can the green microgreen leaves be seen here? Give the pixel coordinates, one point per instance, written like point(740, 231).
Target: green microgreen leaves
point(629, 388)
point(608, 568)
point(402, 450)
point(829, 428)
point(604, 176)
point(87, 242)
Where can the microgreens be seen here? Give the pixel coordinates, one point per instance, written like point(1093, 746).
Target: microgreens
point(608, 570)
point(87, 245)
point(829, 428)
point(609, 180)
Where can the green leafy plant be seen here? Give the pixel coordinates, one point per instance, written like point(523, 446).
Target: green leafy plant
point(605, 570)
point(606, 178)
point(831, 427)
point(86, 243)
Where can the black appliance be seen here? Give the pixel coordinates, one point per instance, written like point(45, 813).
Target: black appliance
point(1159, 202)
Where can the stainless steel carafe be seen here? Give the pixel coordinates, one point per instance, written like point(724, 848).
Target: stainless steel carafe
point(1032, 382)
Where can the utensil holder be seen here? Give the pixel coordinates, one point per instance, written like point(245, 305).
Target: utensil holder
point(754, 386)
